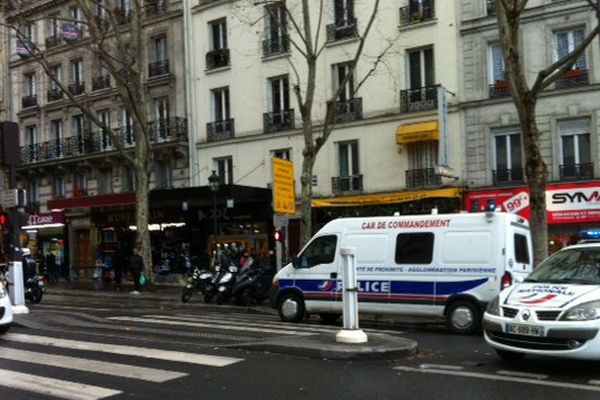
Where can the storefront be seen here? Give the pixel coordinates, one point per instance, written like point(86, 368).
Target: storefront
point(46, 237)
point(571, 208)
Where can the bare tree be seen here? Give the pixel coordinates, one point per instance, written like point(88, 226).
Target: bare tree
point(120, 48)
point(309, 40)
point(525, 97)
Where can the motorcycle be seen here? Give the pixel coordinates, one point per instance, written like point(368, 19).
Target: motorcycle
point(210, 290)
point(253, 286)
point(225, 284)
point(199, 281)
point(35, 287)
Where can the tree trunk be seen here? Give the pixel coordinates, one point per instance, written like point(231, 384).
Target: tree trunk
point(308, 162)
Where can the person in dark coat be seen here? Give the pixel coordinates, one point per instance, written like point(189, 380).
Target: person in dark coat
point(136, 265)
point(52, 267)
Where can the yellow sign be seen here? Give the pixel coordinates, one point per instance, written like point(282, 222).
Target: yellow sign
point(419, 132)
point(284, 196)
point(386, 198)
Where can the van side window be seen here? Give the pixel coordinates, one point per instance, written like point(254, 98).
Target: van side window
point(521, 249)
point(414, 248)
point(320, 251)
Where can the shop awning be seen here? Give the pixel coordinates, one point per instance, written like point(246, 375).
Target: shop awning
point(386, 198)
point(419, 132)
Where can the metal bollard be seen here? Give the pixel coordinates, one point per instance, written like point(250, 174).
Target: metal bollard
point(351, 332)
point(17, 289)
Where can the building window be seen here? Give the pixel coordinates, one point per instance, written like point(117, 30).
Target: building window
point(349, 177)
point(162, 170)
point(127, 128)
point(277, 40)
point(341, 71)
point(218, 30)
point(128, 175)
point(160, 64)
point(28, 30)
point(344, 25)
point(566, 42)
point(498, 86)
point(575, 149)
point(77, 71)
point(224, 168)
point(77, 140)
point(161, 115)
point(347, 107)
point(422, 159)
point(220, 104)
point(160, 48)
point(32, 191)
point(56, 134)
point(75, 13)
point(30, 143)
point(56, 72)
point(280, 117)
point(29, 85)
point(58, 186)
point(104, 117)
point(285, 154)
point(507, 157)
point(105, 181)
point(421, 68)
point(53, 27)
point(80, 185)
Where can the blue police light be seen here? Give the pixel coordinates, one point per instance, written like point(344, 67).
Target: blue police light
point(590, 234)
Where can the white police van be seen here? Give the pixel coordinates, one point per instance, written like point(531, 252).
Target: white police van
point(555, 311)
point(6, 315)
point(448, 265)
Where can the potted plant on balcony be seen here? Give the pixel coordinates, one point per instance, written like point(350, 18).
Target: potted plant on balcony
point(501, 85)
point(416, 17)
point(574, 73)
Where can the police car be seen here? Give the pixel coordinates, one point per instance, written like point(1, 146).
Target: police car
point(6, 316)
point(555, 311)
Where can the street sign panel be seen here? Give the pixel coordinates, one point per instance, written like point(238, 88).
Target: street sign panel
point(284, 196)
point(9, 198)
point(280, 220)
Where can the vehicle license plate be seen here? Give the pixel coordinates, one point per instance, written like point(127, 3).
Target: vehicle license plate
point(527, 330)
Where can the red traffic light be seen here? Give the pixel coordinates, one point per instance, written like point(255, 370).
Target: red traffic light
point(279, 236)
point(3, 219)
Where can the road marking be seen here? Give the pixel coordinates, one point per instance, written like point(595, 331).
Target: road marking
point(54, 387)
point(244, 328)
point(166, 355)
point(442, 366)
point(494, 377)
point(87, 365)
point(521, 374)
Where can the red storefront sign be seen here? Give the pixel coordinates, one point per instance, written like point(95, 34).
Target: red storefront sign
point(569, 203)
point(46, 219)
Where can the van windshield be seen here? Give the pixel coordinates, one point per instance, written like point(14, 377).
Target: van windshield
point(579, 266)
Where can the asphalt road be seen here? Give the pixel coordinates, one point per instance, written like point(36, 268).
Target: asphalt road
point(122, 348)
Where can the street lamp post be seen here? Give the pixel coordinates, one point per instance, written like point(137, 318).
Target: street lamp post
point(214, 182)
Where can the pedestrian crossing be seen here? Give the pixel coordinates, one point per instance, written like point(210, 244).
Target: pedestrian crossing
point(48, 384)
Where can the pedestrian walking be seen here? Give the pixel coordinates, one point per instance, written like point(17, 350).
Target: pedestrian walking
point(52, 267)
point(136, 265)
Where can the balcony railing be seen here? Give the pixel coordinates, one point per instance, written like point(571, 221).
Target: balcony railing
point(348, 110)
point(499, 89)
point(576, 171)
point(55, 94)
point(101, 82)
point(156, 7)
point(350, 183)
point(342, 30)
point(220, 130)
point(490, 6)
point(76, 88)
point(217, 58)
point(158, 68)
point(416, 14)
point(420, 99)
point(574, 78)
point(507, 176)
point(29, 101)
point(423, 177)
point(276, 45)
point(122, 15)
point(278, 121)
point(171, 130)
point(52, 41)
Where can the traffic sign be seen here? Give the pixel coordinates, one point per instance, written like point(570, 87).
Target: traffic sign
point(284, 196)
point(9, 198)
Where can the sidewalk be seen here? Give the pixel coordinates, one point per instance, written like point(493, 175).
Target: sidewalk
point(379, 346)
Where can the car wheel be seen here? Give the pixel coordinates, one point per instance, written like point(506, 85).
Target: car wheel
point(186, 295)
point(510, 356)
point(330, 318)
point(291, 307)
point(4, 328)
point(463, 317)
point(36, 295)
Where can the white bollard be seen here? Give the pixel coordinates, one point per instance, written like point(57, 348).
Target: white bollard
point(351, 332)
point(17, 289)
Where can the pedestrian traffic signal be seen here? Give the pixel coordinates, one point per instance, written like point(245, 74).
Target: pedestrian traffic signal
point(3, 219)
point(279, 236)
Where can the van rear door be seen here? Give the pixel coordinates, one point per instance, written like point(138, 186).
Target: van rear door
point(519, 260)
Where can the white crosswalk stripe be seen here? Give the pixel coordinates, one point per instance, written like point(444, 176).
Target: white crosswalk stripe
point(165, 355)
point(53, 387)
point(47, 385)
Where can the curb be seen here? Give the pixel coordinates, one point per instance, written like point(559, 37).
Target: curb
point(324, 346)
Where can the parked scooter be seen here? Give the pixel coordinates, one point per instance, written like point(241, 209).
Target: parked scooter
point(35, 288)
point(225, 283)
point(210, 290)
point(253, 286)
point(200, 280)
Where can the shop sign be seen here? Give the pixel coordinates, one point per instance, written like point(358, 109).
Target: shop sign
point(284, 196)
point(565, 203)
point(46, 219)
point(24, 48)
point(71, 32)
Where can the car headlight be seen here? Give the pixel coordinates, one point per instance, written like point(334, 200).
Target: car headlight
point(583, 312)
point(493, 307)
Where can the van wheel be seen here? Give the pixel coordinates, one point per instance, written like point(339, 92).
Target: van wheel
point(330, 318)
point(510, 356)
point(291, 307)
point(463, 317)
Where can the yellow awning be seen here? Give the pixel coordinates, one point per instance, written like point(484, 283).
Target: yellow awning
point(418, 132)
point(386, 198)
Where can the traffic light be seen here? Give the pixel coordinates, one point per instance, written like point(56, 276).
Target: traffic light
point(3, 219)
point(279, 235)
